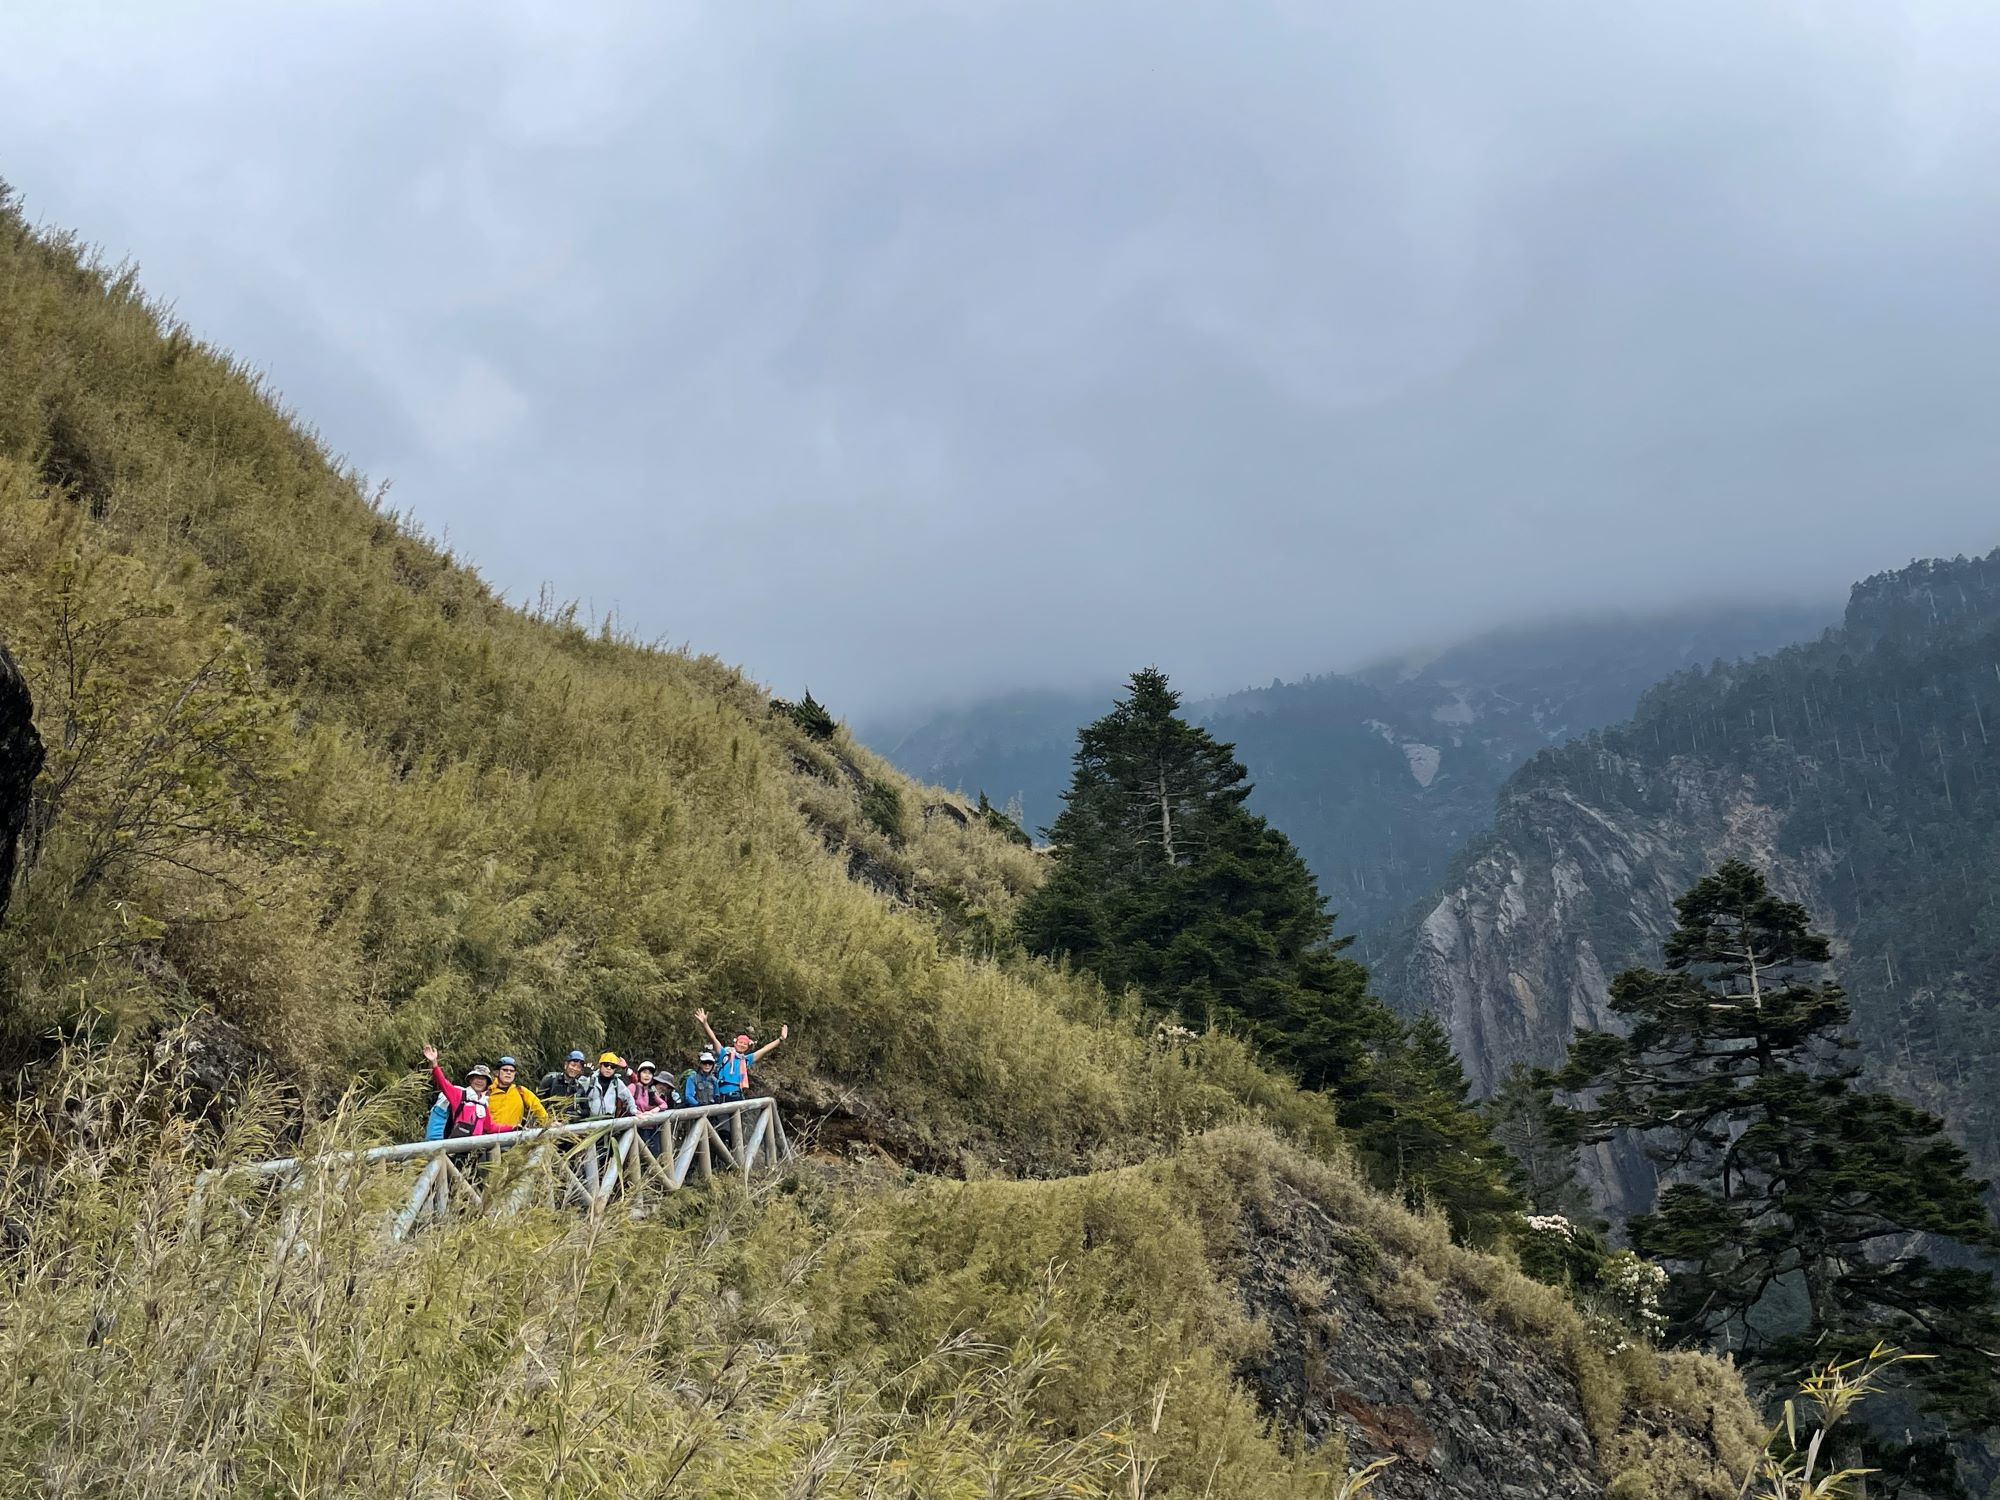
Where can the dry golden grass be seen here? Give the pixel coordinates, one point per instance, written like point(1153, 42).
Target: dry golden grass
point(945, 1340)
point(308, 772)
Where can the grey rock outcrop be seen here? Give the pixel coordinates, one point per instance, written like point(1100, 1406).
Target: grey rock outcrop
point(1464, 1408)
point(20, 764)
point(1856, 770)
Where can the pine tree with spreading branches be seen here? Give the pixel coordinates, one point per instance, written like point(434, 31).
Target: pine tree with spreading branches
point(1803, 1217)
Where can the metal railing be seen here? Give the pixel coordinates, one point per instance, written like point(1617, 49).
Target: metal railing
point(585, 1165)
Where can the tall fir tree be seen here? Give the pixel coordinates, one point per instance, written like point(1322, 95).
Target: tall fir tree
point(1163, 881)
point(1438, 1148)
point(1531, 1127)
point(1794, 1200)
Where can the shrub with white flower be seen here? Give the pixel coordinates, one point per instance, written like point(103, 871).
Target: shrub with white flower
point(1619, 1292)
point(1557, 1251)
point(1630, 1286)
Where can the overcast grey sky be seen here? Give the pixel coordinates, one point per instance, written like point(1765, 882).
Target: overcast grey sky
point(905, 350)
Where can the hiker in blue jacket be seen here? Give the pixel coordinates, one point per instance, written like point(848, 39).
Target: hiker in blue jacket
point(698, 1087)
point(733, 1063)
point(440, 1114)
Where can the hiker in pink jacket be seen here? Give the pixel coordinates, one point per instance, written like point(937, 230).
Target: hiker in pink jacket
point(465, 1108)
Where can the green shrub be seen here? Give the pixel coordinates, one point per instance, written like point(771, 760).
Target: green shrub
point(882, 806)
point(810, 715)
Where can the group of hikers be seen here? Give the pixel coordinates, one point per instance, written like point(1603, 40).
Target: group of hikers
point(492, 1101)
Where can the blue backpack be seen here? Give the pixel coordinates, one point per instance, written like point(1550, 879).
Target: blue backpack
point(440, 1113)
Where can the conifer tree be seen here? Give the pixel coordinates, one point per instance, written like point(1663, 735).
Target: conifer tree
point(1165, 882)
point(1435, 1145)
point(1530, 1126)
point(1794, 1198)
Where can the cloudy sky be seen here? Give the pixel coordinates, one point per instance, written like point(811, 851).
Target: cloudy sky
point(908, 350)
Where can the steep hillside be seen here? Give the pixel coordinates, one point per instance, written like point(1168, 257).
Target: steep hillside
point(307, 773)
point(1379, 776)
point(313, 795)
point(1860, 770)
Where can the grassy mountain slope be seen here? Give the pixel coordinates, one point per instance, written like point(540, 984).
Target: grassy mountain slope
point(306, 773)
point(842, 1336)
point(305, 769)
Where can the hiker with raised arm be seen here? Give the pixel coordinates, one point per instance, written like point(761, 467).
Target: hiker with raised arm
point(465, 1106)
point(733, 1063)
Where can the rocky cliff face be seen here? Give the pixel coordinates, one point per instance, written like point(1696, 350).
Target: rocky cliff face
point(1367, 1348)
point(20, 763)
point(1519, 950)
point(1861, 772)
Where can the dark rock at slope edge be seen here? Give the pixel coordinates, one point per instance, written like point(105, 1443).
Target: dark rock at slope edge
point(1417, 1374)
point(20, 764)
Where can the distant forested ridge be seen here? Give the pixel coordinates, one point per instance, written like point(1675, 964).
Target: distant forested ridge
point(1380, 776)
point(1861, 769)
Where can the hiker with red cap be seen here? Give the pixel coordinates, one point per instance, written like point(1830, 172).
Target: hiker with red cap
point(732, 1074)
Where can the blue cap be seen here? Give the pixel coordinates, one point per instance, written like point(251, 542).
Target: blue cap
point(576, 1057)
point(506, 1062)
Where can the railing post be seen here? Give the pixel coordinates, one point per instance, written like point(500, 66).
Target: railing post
point(607, 1149)
point(589, 1164)
point(419, 1197)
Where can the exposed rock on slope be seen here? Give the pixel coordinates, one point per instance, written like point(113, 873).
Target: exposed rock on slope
point(1463, 1407)
point(1368, 1345)
point(1519, 951)
point(20, 763)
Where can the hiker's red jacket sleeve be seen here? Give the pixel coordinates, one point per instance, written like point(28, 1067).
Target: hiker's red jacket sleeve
point(454, 1095)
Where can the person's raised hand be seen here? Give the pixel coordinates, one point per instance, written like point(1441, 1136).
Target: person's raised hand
point(430, 1055)
point(783, 1032)
point(701, 1015)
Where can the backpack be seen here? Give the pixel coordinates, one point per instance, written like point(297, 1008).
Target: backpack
point(440, 1113)
point(466, 1119)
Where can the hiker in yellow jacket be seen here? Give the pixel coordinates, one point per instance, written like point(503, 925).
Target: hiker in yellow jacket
point(507, 1102)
